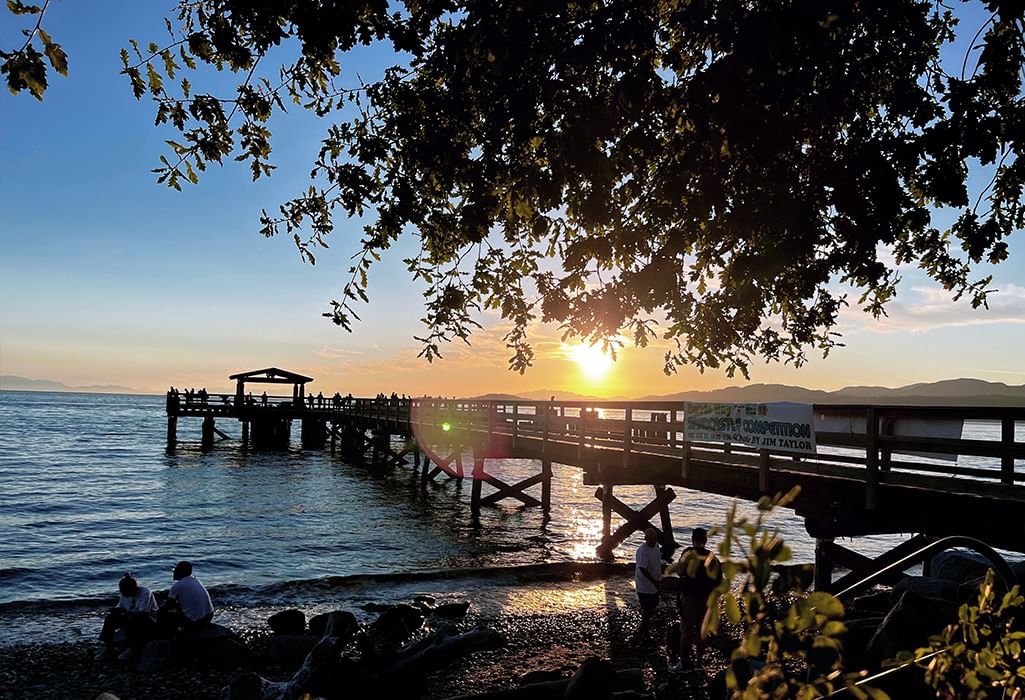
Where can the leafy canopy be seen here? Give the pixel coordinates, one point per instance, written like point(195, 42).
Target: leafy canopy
point(23, 67)
point(713, 172)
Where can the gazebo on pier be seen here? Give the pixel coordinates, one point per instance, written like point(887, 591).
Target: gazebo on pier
point(270, 375)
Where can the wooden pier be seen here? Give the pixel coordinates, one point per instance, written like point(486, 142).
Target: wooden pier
point(858, 483)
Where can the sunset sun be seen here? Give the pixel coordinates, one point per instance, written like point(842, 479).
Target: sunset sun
point(594, 362)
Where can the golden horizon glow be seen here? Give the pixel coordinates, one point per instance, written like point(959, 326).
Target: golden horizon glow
point(593, 362)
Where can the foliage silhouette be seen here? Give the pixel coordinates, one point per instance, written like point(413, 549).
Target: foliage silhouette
point(791, 645)
point(24, 67)
point(714, 173)
point(984, 651)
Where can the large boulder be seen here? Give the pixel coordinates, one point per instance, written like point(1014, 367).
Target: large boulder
point(959, 566)
point(594, 680)
point(156, 656)
point(451, 610)
point(288, 622)
point(391, 630)
point(338, 623)
point(927, 586)
point(908, 625)
point(289, 649)
point(248, 686)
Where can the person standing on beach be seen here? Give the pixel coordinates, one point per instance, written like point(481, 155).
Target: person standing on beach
point(700, 573)
point(133, 613)
point(188, 607)
point(647, 576)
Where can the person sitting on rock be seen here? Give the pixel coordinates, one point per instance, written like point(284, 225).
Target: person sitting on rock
point(134, 613)
point(188, 607)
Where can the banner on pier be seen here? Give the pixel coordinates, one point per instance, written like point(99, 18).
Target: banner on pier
point(782, 427)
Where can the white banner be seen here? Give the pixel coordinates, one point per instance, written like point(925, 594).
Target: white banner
point(782, 427)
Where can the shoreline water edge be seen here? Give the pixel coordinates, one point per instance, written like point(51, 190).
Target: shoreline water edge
point(552, 618)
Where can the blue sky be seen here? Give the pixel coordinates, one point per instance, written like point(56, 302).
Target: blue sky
point(108, 277)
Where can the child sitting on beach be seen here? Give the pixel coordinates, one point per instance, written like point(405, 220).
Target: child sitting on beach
point(134, 613)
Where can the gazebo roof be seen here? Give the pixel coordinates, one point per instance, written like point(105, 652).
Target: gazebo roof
point(272, 375)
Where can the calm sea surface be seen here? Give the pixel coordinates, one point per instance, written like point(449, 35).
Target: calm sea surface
point(87, 493)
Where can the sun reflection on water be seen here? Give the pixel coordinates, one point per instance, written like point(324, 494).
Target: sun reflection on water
point(563, 599)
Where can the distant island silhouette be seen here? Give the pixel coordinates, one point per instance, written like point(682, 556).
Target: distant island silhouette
point(961, 392)
point(10, 382)
point(958, 392)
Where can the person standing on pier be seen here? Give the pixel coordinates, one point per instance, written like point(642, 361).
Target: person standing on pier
point(700, 573)
point(647, 577)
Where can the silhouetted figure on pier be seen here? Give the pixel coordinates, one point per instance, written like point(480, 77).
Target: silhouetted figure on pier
point(700, 572)
point(263, 399)
point(188, 607)
point(134, 613)
point(320, 399)
point(203, 396)
point(647, 577)
point(336, 400)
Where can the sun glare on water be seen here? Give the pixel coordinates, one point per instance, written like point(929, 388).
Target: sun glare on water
point(592, 360)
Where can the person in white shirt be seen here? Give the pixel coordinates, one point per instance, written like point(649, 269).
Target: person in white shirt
point(134, 613)
point(647, 577)
point(188, 605)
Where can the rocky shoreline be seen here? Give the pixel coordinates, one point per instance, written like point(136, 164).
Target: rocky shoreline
point(536, 646)
point(507, 636)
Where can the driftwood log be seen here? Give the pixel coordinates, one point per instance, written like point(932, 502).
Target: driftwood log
point(382, 666)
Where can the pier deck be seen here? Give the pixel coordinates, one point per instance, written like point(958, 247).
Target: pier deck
point(858, 483)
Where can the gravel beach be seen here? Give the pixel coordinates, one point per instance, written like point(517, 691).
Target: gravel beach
point(547, 628)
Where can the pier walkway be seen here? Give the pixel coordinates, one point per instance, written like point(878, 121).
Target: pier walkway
point(870, 479)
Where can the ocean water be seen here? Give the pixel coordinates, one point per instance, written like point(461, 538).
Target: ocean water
point(87, 493)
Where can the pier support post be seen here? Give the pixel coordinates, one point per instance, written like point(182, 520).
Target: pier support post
point(207, 440)
point(823, 564)
point(604, 550)
point(245, 434)
point(668, 540)
point(763, 471)
point(478, 479)
point(425, 475)
point(172, 433)
point(313, 432)
point(546, 486)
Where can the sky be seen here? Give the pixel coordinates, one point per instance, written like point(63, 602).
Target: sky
point(107, 277)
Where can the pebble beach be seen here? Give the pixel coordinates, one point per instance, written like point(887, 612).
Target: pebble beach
point(594, 618)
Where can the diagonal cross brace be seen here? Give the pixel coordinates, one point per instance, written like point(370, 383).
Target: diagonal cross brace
point(443, 466)
point(399, 457)
point(511, 491)
point(635, 520)
point(624, 511)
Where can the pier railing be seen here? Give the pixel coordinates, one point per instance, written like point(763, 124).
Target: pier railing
point(988, 459)
point(874, 454)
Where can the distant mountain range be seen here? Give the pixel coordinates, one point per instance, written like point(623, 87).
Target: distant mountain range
point(953, 392)
point(10, 382)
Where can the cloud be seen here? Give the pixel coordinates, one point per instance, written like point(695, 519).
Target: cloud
point(933, 307)
point(332, 353)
